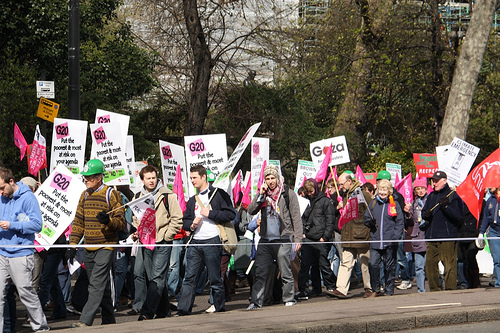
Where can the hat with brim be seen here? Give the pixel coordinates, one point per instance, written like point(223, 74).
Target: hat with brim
point(439, 175)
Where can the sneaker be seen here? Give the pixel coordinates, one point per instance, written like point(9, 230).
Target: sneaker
point(70, 308)
point(26, 323)
point(133, 312)
point(173, 306)
point(253, 306)
point(301, 296)
point(404, 285)
point(45, 329)
point(336, 293)
point(211, 309)
point(79, 324)
point(291, 303)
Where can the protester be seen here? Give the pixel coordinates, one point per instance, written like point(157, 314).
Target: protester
point(385, 219)
point(280, 227)
point(491, 222)
point(467, 267)
point(99, 216)
point(353, 231)
point(202, 213)
point(20, 219)
point(417, 246)
point(318, 221)
point(168, 222)
point(442, 215)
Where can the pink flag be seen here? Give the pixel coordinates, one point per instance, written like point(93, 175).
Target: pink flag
point(350, 212)
point(323, 169)
point(246, 200)
point(261, 176)
point(237, 188)
point(397, 180)
point(405, 188)
point(38, 153)
point(19, 140)
point(147, 229)
point(179, 188)
point(360, 175)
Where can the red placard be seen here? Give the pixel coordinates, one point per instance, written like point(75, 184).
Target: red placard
point(426, 164)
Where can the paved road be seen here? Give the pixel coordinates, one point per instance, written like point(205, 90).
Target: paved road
point(405, 310)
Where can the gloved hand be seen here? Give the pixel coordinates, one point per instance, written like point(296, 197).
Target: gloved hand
point(444, 201)
point(480, 242)
point(70, 255)
point(427, 215)
point(424, 225)
point(103, 217)
point(373, 223)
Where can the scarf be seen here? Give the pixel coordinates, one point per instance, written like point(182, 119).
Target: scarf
point(273, 196)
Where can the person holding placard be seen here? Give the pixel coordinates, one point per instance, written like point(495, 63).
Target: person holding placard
point(20, 219)
point(203, 211)
point(99, 216)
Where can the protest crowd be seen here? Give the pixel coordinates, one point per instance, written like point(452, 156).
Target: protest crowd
point(154, 252)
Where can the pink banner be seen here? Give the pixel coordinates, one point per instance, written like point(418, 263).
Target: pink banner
point(360, 176)
point(349, 213)
point(406, 189)
point(323, 169)
point(20, 141)
point(147, 228)
point(179, 188)
point(37, 158)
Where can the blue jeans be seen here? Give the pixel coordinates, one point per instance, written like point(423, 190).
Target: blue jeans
point(175, 267)
point(495, 253)
point(121, 267)
point(49, 285)
point(156, 263)
point(420, 270)
point(139, 280)
point(198, 255)
point(402, 267)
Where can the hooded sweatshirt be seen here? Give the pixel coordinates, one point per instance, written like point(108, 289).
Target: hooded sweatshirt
point(23, 213)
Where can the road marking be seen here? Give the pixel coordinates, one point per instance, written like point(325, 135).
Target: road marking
point(429, 305)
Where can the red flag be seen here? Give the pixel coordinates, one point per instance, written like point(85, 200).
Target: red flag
point(472, 189)
point(323, 169)
point(20, 141)
point(360, 175)
point(179, 188)
point(350, 212)
point(405, 188)
point(261, 176)
point(237, 188)
point(38, 153)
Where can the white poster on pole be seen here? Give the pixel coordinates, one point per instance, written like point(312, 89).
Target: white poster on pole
point(222, 180)
point(305, 170)
point(109, 147)
point(340, 153)
point(395, 171)
point(58, 198)
point(121, 120)
point(130, 156)
point(459, 160)
point(68, 144)
point(171, 155)
point(260, 153)
point(441, 152)
point(207, 150)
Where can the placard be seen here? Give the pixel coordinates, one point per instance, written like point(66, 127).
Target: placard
point(68, 144)
point(305, 170)
point(172, 155)
point(340, 153)
point(459, 160)
point(260, 153)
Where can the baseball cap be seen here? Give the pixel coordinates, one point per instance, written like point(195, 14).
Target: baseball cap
point(439, 175)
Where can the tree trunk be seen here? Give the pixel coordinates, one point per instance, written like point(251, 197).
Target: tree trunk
point(456, 118)
point(197, 108)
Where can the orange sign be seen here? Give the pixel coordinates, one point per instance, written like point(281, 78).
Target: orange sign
point(47, 110)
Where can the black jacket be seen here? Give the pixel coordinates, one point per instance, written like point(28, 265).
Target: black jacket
point(445, 222)
point(318, 218)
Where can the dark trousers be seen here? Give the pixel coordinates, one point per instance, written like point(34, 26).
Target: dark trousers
point(310, 254)
point(388, 258)
point(467, 254)
point(49, 285)
point(98, 264)
point(446, 252)
point(157, 262)
point(198, 256)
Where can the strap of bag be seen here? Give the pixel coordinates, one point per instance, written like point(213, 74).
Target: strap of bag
point(222, 231)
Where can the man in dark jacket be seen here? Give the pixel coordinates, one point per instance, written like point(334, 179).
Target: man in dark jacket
point(442, 215)
point(318, 222)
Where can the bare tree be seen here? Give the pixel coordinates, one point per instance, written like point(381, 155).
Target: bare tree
point(456, 119)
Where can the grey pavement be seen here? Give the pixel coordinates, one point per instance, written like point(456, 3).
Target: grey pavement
point(405, 310)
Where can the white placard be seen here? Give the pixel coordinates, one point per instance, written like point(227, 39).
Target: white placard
point(222, 180)
point(260, 153)
point(459, 160)
point(58, 198)
point(121, 120)
point(171, 155)
point(68, 144)
point(130, 156)
point(305, 169)
point(109, 147)
point(207, 150)
point(441, 152)
point(395, 171)
point(340, 153)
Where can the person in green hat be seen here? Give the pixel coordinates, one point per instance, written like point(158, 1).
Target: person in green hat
point(99, 216)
